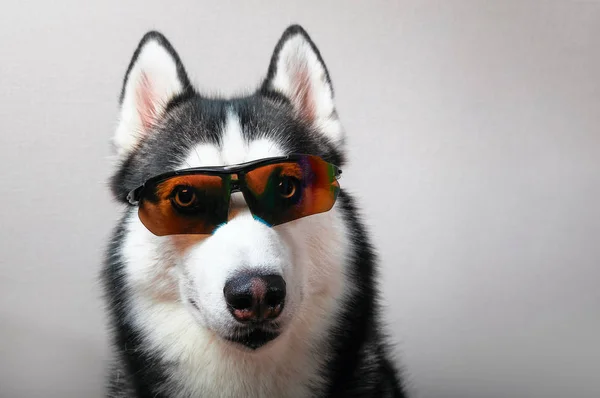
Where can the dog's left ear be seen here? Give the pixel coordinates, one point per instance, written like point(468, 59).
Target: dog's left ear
point(298, 72)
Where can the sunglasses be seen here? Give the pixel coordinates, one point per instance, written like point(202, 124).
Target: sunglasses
point(277, 190)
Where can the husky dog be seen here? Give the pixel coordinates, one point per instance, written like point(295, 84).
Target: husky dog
point(177, 328)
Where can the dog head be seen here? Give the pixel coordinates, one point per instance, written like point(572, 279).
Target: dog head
point(246, 282)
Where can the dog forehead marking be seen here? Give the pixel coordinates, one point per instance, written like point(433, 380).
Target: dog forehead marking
point(234, 149)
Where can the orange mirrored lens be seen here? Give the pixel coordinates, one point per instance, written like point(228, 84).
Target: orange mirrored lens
point(192, 204)
point(286, 191)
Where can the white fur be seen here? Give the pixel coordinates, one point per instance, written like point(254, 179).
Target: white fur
point(233, 140)
point(310, 254)
point(300, 74)
point(158, 67)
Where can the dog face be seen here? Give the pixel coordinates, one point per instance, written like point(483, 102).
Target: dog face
point(246, 283)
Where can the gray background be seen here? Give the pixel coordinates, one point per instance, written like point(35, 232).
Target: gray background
point(475, 147)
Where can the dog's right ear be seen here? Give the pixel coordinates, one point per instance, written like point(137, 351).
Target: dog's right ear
point(155, 77)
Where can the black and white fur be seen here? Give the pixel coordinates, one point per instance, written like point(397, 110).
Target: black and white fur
point(331, 343)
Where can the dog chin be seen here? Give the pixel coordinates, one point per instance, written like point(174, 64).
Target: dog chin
point(252, 338)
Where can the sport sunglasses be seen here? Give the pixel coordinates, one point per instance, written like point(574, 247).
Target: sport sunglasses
point(277, 190)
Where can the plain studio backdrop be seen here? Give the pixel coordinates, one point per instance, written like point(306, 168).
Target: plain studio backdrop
point(474, 138)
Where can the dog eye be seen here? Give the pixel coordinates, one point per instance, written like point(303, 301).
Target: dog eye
point(185, 197)
point(287, 187)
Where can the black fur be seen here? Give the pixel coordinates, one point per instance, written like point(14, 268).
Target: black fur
point(360, 363)
point(358, 330)
point(141, 373)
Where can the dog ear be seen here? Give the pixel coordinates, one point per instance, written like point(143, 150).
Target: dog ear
point(155, 77)
point(298, 72)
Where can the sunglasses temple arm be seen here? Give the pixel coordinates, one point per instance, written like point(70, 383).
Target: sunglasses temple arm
point(132, 196)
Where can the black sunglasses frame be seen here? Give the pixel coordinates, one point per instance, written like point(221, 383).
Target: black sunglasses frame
point(134, 196)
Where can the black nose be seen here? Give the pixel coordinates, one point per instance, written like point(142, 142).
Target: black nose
point(253, 298)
